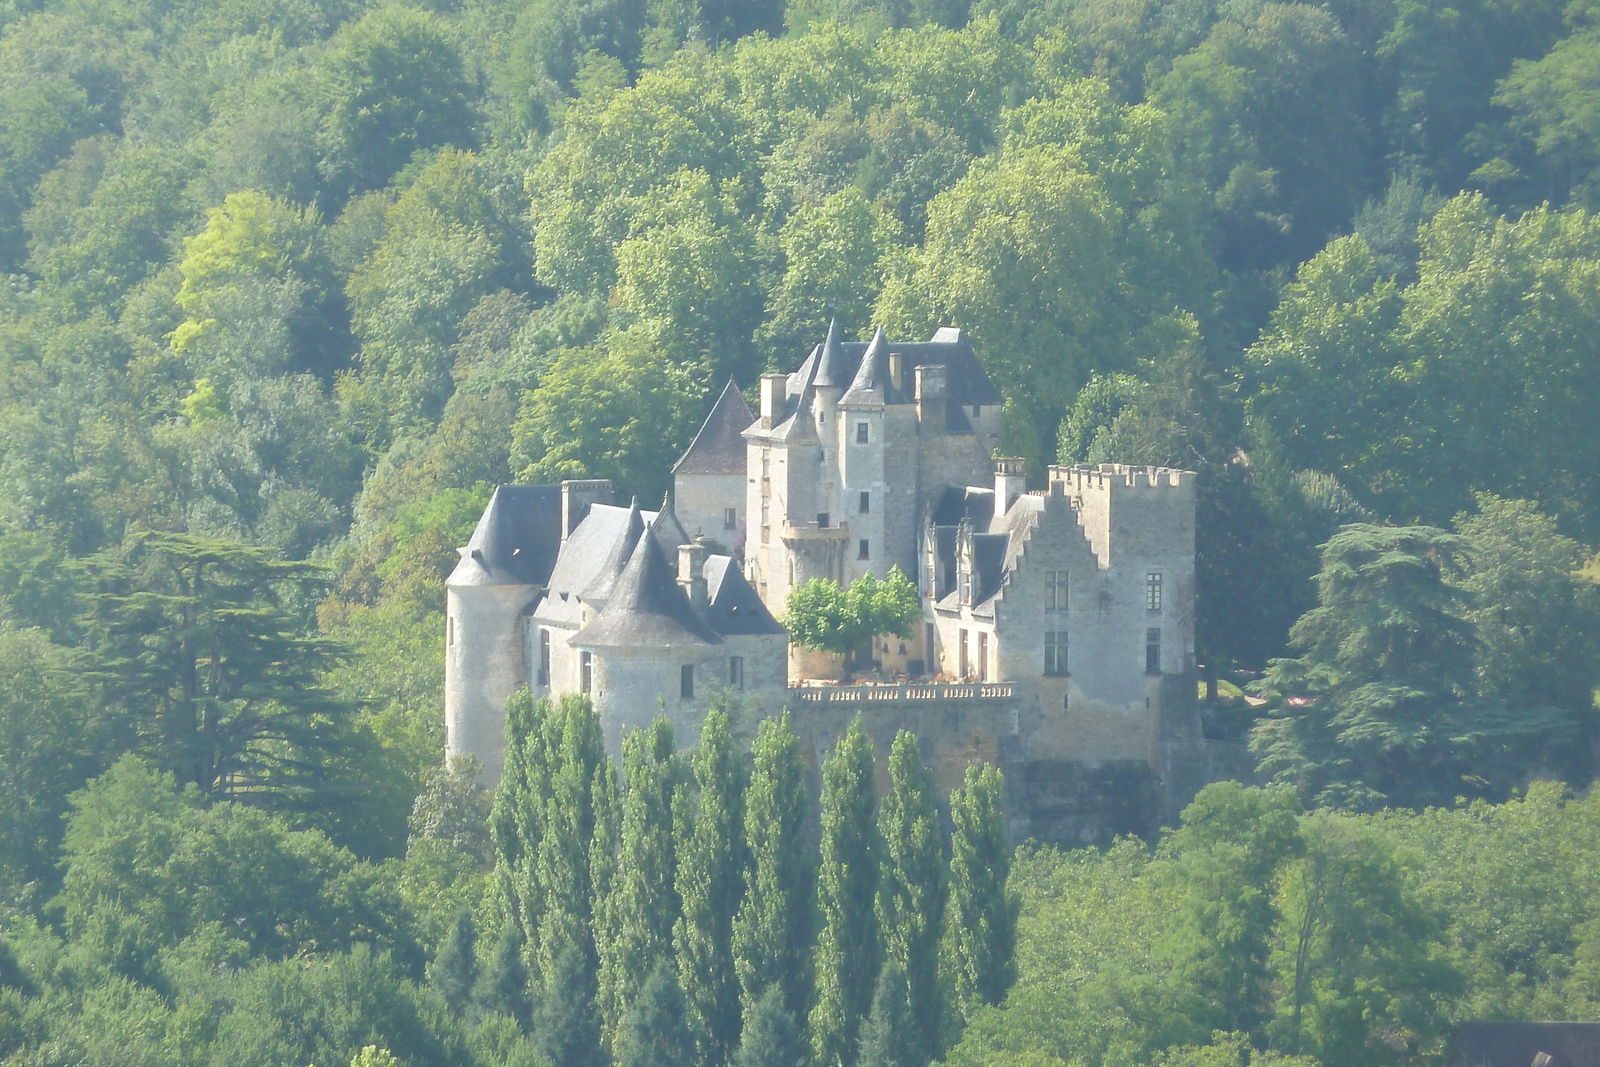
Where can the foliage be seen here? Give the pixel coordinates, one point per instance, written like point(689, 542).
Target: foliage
point(982, 911)
point(822, 616)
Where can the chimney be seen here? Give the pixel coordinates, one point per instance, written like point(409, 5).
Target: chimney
point(931, 397)
point(692, 573)
point(576, 496)
point(773, 387)
point(1009, 482)
point(897, 371)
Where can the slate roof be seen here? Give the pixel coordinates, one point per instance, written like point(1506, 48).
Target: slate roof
point(733, 608)
point(872, 384)
point(719, 447)
point(647, 609)
point(1481, 1044)
point(972, 502)
point(516, 540)
point(833, 368)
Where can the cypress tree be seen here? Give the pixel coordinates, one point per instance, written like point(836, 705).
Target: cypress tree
point(847, 950)
point(567, 1025)
point(888, 1036)
point(983, 910)
point(604, 871)
point(710, 882)
point(910, 904)
point(503, 985)
point(575, 753)
point(771, 1038)
point(773, 929)
point(455, 968)
point(654, 1032)
point(646, 899)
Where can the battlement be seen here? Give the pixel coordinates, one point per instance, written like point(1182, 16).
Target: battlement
point(903, 693)
point(1109, 477)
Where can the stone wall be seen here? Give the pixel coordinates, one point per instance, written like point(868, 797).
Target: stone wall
point(701, 501)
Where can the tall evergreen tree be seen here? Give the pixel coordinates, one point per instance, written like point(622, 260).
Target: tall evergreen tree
point(773, 930)
point(889, 1036)
point(983, 909)
point(455, 967)
point(503, 986)
point(567, 1024)
point(910, 904)
point(710, 883)
point(576, 752)
point(655, 1032)
point(646, 898)
point(604, 868)
point(848, 947)
point(771, 1037)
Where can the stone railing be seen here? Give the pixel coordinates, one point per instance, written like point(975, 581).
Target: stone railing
point(906, 692)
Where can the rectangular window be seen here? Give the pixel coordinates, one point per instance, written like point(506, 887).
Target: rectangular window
point(1152, 651)
point(450, 629)
point(863, 553)
point(977, 411)
point(866, 504)
point(544, 657)
point(686, 681)
point(863, 433)
point(1055, 653)
point(963, 645)
point(966, 587)
point(983, 657)
point(766, 463)
point(585, 671)
point(736, 671)
point(1152, 591)
point(931, 641)
point(822, 519)
point(1055, 590)
point(730, 518)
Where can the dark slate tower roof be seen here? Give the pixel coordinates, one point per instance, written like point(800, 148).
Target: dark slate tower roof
point(833, 368)
point(733, 608)
point(517, 538)
point(611, 568)
point(719, 447)
point(647, 609)
point(872, 384)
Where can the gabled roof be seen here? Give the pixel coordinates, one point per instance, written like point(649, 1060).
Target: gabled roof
point(972, 502)
point(647, 609)
point(719, 447)
point(733, 608)
point(516, 540)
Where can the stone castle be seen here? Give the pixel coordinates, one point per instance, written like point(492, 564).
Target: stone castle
point(1057, 633)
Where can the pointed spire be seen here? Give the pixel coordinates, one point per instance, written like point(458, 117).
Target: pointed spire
point(831, 368)
point(871, 384)
point(648, 608)
point(622, 550)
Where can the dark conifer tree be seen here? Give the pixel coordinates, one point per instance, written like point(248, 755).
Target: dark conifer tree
point(983, 910)
point(771, 1038)
point(911, 895)
point(455, 968)
point(773, 930)
point(889, 1035)
point(848, 947)
point(503, 985)
point(654, 1032)
point(576, 752)
point(567, 1023)
point(710, 882)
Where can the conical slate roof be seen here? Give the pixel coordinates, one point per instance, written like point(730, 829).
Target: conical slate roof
point(608, 573)
point(719, 447)
point(516, 540)
point(832, 367)
point(871, 385)
point(647, 608)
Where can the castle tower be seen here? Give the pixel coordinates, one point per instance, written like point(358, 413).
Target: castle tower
point(709, 479)
point(502, 571)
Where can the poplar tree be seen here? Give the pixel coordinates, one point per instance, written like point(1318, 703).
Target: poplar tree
point(567, 1026)
point(910, 902)
point(773, 929)
point(576, 751)
point(516, 822)
point(455, 968)
point(646, 900)
point(983, 909)
point(604, 873)
point(710, 883)
point(503, 986)
point(848, 949)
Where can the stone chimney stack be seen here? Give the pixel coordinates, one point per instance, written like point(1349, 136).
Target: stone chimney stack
point(931, 394)
point(692, 573)
point(772, 395)
point(897, 371)
point(1009, 482)
point(576, 496)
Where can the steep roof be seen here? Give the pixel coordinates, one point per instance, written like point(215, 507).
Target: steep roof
point(966, 382)
point(516, 540)
point(719, 447)
point(872, 384)
point(647, 608)
point(733, 608)
point(833, 368)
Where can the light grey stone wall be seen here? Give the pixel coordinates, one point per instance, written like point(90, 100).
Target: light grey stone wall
point(485, 662)
point(701, 500)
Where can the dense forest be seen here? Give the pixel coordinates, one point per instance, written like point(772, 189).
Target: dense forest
point(292, 284)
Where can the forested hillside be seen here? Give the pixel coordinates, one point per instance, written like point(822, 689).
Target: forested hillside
point(292, 284)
